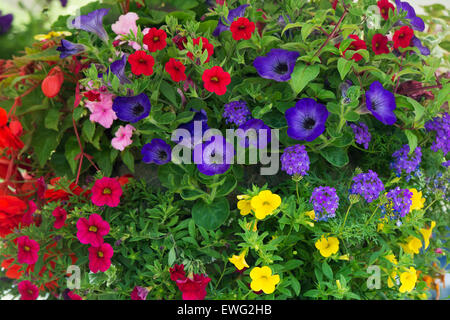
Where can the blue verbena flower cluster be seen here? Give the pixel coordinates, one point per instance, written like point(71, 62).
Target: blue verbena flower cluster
point(362, 134)
point(368, 185)
point(399, 203)
point(236, 112)
point(404, 162)
point(441, 125)
point(325, 202)
point(295, 160)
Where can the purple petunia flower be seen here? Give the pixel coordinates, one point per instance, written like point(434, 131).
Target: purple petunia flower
point(254, 132)
point(236, 112)
point(418, 44)
point(295, 160)
point(325, 202)
point(306, 121)
point(381, 103)
point(139, 293)
point(404, 162)
point(157, 151)
point(5, 22)
point(92, 22)
point(68, 48)
point(362, 134)
point(232, 14)
point(132, 109)
point(63, 3)
point(199, 121)
point(118, 68)
point(368, 185)
point(214, 157)
point(416, 22)
point(277, 65)
point(441, 125)
point(399, 203)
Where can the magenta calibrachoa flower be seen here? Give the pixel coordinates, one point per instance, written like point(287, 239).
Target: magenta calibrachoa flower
point(440, 125)
point(325, 202)
point(236, 112)
point(157, 151)
point(93, 230)
point(404, 162)
point(106, 191)
point(100, 257)
point(381, 103)
point(60, 217)
point(193, 287)
point(139, 293)
point(295, 160)
point(27, 290)
point(362, 134)
point(306, 121)
point(277, 65)
point(368, 185)
point(399, 203)
point(27, 250)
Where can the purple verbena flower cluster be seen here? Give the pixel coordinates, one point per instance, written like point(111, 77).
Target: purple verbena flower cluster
point(362, 134)
point(325, 202)
point(295, 160)
point(399, 203)
point(236, 112)
point(403, 162)
point(441, 125)
point(368, 185)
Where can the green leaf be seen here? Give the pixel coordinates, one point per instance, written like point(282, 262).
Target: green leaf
point(344, 67)
point(292, 264)
point(412, 140)
point(227, 187)
point(338, 157)
point(52, 119)
point(172, 256)
point(303, 75)
point(191, 194)
point(306, 30)
point(88, 130)
point(128, 159)
point(351, 116)
point(295, 284)
point(72, 149)
point(326, 269)
point(44, 143)
point(211, 216)
point(169, 92)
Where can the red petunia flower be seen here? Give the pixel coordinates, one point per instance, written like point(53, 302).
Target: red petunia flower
point(177, 272)
point(216, 80)
point(176, 70)
point(385, 6)
point(53, 194)
point(27, 250)
point(106, 191)
point(155, 39)
point(402, 37)
point(100, 257)
point(73, 296)
point(27, 290)
point(93, 230)
point(379, 44)
point(53, 82)
point(9, 135)
point(13, 271)
point(356, 45)
point(193, 288)
point(60, 217)
point(205, 46)
point(12, 210)
point(92, 95)
point(242, 28)
point(141, 63)
point(179, 42)
point(27, 218)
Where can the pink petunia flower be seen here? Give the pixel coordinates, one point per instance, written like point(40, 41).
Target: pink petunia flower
point(93, 230)
point(101, 111)
point(194, 287)
point(60, 217)
point(100, 257)
point(106, 191)
point(27, 250)
point(125, 25)
point(139, 293)
point(123, 137)
point(27, 290)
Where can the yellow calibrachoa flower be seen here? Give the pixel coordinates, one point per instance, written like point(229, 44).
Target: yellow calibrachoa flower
point(262, 279)
point(408, 280)
point(412, 245)
point(244, 206)
point(265, 203)
point(52, 34)
point(311, 214)
point(391, 258)
point(417, 200)
point(239, 261)
point(327, 246)
point(426, 233)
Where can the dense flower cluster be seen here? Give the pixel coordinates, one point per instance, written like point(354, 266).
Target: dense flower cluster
point(325, 202)
point(368, 185)
point(403, 162)
point(236, 112)
point(295, 160)
point(362, 134)
point(399, 203)
point(441, 125)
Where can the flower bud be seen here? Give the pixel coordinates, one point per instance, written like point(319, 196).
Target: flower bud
point(53, 82)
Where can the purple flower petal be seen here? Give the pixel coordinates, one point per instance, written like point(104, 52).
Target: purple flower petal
point(157, 151)
point(381, 103)
point(256, 137)
point(68, 48)
point(132, 109)
point(92, 22)
point(417, 43)
point(118, 68)
point(5, 22)
point(277, 65)
point(216, 156)
point(232, 14)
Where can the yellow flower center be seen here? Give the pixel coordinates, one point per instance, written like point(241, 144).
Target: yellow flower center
point(93, 228)
point(108, 190)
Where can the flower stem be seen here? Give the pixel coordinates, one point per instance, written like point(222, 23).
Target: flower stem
point(346, 215)
point(370, 218)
